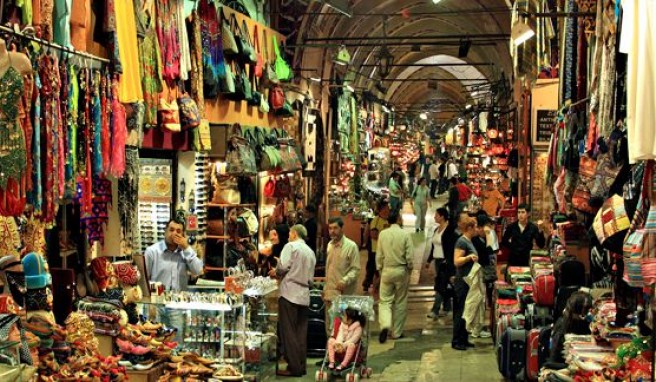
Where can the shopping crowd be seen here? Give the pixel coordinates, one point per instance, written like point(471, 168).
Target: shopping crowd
point(462, 248)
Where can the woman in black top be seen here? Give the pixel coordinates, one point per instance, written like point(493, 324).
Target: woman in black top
point(279, 237)
point(464, 257)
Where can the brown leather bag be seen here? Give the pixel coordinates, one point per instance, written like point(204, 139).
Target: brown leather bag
point(215, 227)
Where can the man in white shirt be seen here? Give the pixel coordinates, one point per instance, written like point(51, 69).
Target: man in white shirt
point(295, 271)
point(451, 169)
point(342, 267)
point(434, 173)
point(394, 258)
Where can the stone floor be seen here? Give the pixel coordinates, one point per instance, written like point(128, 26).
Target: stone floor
point(425, 354)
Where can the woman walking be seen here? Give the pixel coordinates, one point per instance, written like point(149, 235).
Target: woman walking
point(464, 257)
point(420, 204)
point(441, 247)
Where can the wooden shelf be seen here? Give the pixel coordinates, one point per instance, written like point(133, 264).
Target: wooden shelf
point(221, 205)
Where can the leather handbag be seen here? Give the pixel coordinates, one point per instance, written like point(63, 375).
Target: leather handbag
point(247, 50)
point(168, 114)
point(259, 60)
point(276, 98)
point(225, 191)
point(230, 47)
point(256, 96)
point(189, 113)
point(286, 111)
point(215, 227)
point(283, 188)
point(283, 71)
point(270, 188)
point(227, 84)
point(240, 157)
point(242, 86)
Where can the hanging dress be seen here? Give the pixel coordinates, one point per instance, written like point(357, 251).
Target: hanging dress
point(151, 66)
point(126, 31)
point(167, 33)
point(13, 155)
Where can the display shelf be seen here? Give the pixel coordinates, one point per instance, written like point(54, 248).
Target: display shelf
point(253, 292)
point(223, 205)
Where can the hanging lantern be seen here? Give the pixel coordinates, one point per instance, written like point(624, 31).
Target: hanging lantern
point(385, 61)
point(492, 133)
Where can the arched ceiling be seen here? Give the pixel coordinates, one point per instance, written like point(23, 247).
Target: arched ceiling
point(324, 29)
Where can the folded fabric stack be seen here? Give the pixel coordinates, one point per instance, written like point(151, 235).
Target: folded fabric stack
point(520, 278)
point(106, 314)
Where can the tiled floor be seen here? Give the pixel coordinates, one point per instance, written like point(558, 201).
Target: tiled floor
point(425, 354)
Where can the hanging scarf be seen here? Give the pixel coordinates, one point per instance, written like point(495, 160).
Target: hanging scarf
point(105, 105)
point(82, 121)
point(94, 219)
point(36, 196)
point(128, 190)
point(96, 125)
point(60, 133)
point(119, 133)
point(50, 207)
point(26, 124)
point(72, 117)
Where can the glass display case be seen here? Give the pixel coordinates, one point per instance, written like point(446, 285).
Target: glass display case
point(237, 329)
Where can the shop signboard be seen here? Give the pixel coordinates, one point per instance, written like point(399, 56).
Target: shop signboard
point(543, 123)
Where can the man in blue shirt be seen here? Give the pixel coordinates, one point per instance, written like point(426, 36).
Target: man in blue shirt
point(170, 262)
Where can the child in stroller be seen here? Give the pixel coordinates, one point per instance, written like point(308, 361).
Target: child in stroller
point(347, 339)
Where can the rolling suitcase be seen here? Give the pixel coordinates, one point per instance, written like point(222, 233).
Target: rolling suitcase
point(512, 353)
point(536, 351)
point(516, 321)
point(544, 290)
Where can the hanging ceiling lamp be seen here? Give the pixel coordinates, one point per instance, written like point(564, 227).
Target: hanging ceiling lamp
point(343, 57)
point(385, 58)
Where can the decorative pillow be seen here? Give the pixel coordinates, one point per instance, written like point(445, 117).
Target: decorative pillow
point(127, 272)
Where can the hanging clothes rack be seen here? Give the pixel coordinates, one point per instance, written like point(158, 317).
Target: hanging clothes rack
point(49, 44)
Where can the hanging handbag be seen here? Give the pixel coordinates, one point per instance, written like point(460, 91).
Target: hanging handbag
point(242, 86)
point(168, 114)
point(286, 111)
point(276, 98)
point(259, 61)
point(605, 175)
point(270, 187)
point(203, 137)
point(189, 114)
point(247, 50)
point(256, 96)
point(230, 47)
point(240, 157)
point(283, 71)
point(227, 85)
point(225, 191)
point(283, 188)
point(264, 104)
point(269, 76)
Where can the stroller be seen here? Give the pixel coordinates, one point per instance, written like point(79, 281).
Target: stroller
point(358, 367)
